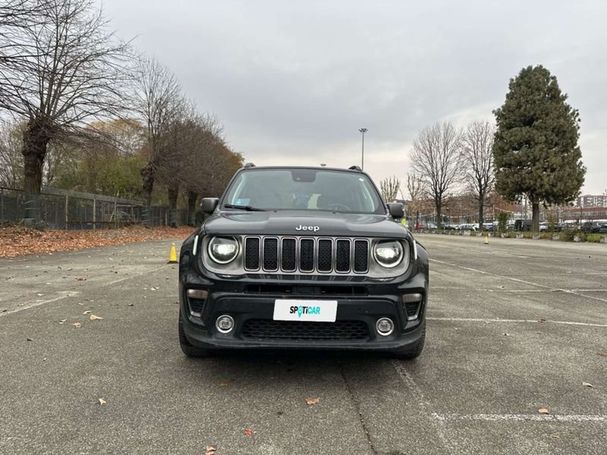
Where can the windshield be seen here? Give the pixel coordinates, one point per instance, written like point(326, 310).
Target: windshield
point(303, 189)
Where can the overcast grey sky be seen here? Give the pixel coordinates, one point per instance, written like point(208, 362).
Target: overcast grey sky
point(293, 81)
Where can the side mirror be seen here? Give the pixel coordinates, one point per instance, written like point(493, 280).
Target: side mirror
point(396, 210)
point(209, 204)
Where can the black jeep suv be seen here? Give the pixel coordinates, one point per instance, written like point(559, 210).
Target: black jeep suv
point(302, 257)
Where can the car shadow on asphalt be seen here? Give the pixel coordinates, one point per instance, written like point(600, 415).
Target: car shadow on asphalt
point(290, 368)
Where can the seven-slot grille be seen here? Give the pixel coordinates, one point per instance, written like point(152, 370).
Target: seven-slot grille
point(306, 255)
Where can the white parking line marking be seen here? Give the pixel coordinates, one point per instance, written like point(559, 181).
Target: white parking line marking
point(406, 378)
point(520, 417)
point(75, 293)
point(120, 280)
point(41, 302)
point(513, 291)
point(518, 280)
point(525, 321)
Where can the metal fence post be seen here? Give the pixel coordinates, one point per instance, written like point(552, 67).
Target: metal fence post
point(116, 212)
point(94, 212)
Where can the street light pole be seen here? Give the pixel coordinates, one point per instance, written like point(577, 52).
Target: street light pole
point(362, 158)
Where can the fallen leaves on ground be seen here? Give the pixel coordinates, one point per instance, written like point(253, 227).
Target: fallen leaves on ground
point(587, 384)
point(311, 401)
point(20, 240)
point(603, 354)
point(87, 312)
point(77, 325)
point(102, 401)
point(210, 450)
point(544, 410)
point(92, 317)
point(248, 432)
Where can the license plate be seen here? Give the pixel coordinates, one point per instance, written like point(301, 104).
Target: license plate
point(305, 310)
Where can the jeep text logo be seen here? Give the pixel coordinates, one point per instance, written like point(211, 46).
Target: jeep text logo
point(304, 310)
point(307, 228)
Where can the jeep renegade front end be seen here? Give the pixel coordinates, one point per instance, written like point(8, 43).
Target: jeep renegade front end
point(293, 258)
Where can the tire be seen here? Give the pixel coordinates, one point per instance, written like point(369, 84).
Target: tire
point(413, 351)
point(186, 346)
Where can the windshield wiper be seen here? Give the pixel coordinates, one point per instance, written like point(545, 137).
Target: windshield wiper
point(248, 208)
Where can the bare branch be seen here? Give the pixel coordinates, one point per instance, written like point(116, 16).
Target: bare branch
point(60, 68)
point(436, 159)
point(477, 155)
point(389, 188)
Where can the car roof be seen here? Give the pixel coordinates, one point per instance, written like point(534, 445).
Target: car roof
point(315, 168)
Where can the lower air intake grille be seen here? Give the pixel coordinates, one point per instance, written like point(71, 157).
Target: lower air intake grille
point(267, 329)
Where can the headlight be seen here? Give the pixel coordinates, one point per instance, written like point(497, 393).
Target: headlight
point(223, 250)
point(388, 254)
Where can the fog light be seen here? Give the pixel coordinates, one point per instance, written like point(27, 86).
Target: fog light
point(224, 323)
point(384, 326)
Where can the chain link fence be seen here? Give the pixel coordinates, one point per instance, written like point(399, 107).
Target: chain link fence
point(63, 209)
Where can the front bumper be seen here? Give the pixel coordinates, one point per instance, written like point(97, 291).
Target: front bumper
point(251, 302)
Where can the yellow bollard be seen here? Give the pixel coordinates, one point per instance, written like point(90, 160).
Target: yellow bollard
point(173, 254)
point(487, 239)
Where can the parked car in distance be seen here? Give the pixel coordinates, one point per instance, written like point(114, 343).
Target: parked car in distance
point(468, 227)
point(594, 227)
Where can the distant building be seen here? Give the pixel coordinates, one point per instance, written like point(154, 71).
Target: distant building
point(592, 200)
point(580, 214)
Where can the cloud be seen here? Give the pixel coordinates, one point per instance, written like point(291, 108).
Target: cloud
point(294, 81)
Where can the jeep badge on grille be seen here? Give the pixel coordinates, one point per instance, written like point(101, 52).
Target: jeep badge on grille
point(301, 227)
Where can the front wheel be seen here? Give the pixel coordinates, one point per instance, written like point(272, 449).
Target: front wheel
point(413, 351)
point(188, 349)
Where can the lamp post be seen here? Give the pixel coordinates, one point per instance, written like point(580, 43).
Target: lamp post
point(362, 158)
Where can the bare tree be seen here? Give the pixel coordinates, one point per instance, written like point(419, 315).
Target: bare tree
point(477, 156)
point(59, 69)
point(415, 188)
point(159, 103)
point(389, 188)
point(436, 158)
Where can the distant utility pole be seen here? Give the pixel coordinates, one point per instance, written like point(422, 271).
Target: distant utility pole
point(362, 159)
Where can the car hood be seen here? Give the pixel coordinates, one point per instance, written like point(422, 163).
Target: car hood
point(303, 223)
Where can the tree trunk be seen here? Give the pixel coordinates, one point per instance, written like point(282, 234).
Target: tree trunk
point(535, 217)
point(35, 142)
point(481, 207)
point(192, 197)
point(173, 193)
point(439, 219)
point(148, 175)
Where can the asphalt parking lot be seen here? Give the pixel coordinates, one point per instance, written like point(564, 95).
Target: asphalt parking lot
point(514, 326)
